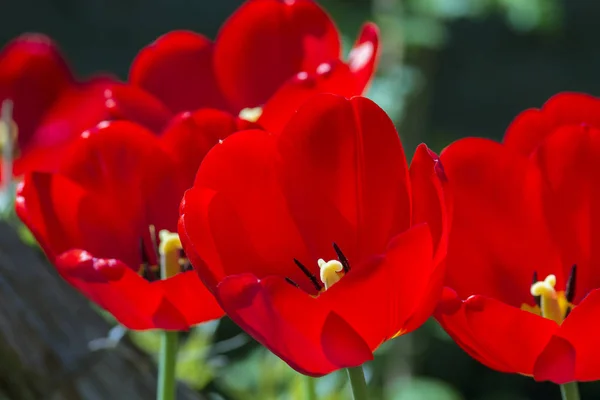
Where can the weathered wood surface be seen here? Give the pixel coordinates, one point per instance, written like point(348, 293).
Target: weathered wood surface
point(45, 330)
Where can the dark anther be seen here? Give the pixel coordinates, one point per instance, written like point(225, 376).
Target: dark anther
point(570, 290)
point(568, 311)
point(152, 230)
point(291, 282)
point(143, 254)
point(342, 258)
point(538, 299)
point(313, 279)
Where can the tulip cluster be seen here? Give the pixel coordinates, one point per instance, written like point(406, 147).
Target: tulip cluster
point(249, 177)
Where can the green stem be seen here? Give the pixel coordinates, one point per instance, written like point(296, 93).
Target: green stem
point(166, 365)
point(311, 389)
point(358, 382)
point(570, 391)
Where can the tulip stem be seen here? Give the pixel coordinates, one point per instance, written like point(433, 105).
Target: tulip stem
point(166, 365)
point(311, 389)
point(570, 391)
point(358, 383)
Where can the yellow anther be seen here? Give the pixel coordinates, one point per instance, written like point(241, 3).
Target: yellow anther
point(169, 248)
point(549, 299)
point(251, 114)
point(331, 272)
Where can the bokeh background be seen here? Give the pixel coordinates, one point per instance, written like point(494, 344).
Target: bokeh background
point(449, 68)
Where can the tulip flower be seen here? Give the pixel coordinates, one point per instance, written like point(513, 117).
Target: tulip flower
point(522, 268)
point(286, 51)
point(98, 217)
point(52, 108)
point(319, 241)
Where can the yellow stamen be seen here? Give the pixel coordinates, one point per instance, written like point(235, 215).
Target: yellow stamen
point(169, 248)
point(251, 114)
point(553, 305)
point(331, 272)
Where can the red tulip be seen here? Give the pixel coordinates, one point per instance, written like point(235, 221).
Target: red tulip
point(319, 241)
point(94, 216)
point(51, 108)
point(263, 45)
point(524, 211)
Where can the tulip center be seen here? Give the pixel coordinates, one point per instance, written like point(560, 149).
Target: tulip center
point(251, 114)
point(550, 303)
point(330, 272)
point(166, 259)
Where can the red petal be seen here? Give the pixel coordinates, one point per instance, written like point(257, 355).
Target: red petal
point(178, 69)
point(499, 236)
point(191, 298)
point(236, 191)
point(333, 77)
point(50, 207)
point(557, 362)
point(394, 294)
point(575, 354)
point(32, 74)
point(271, 311)
point(133, 301)
point(344, 176)
point(428, 200)
point(498, 335)
point(364, 56)
point(531, 127)
point(568, 159)
point(191, 135)
point(128, 102)
point(266, 42)
point(81, 107)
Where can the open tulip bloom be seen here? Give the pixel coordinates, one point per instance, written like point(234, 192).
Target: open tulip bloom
point(523, 250)
point(319, 241)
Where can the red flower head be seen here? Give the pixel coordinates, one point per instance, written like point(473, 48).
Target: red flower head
point(264, 45)
point(51, 108)
point(525, 210)
point(319, 241)
point(96, 218)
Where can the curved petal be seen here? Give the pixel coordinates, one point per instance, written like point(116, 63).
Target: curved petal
point(187, 293)
point(364, 56)
point(378, 299)
point(344, 176)
point(130, 103)
point(330, 77)
point(266, 42)
point(133, 301)
point(49, 206)
point(32, 64)
point(499, 236)
point(568, 160)
point(500, 336)
point(269, 311)
point(79, 108)
point(223, 216)
point(531, 127)
point(190, 136)
point(581, 332)
point(429, 204)
point(178, 69)
point(130, 175)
